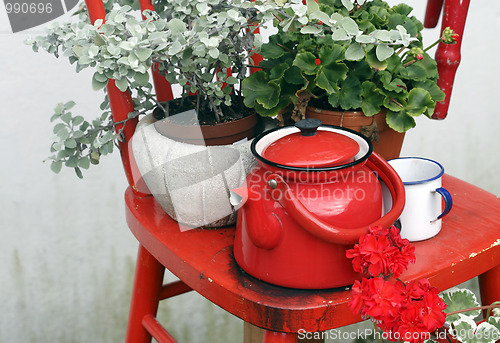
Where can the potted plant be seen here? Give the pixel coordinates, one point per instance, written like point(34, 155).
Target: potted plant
point(202, 46)
point(343, 60)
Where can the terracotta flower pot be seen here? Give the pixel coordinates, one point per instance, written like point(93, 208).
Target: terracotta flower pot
point(386, 141)
point(218, 134)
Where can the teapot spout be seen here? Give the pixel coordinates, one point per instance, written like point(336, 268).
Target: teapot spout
point(238, 197)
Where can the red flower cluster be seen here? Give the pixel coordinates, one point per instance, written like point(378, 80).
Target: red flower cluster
point(404, 312)
point(382, 251)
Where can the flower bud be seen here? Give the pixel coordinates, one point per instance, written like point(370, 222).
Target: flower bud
point(449, 37)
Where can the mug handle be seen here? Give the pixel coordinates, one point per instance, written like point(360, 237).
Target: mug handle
point(448, 202)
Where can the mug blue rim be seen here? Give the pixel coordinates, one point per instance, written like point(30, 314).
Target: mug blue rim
point(441, 172)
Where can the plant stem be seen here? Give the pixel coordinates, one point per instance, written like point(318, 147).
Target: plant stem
point(489, 310)
point(432, 45)
point(494, 305)
point(376, 329)
point(400, 50)
point(410, 63)
point(216, 110)
point(284, 47)
point(397, 103)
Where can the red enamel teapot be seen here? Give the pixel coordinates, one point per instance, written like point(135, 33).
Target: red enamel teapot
point(316, 190)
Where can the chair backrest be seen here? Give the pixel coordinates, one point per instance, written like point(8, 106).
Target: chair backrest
point(447, 57)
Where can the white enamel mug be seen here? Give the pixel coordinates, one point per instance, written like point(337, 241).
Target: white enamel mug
point(421, 217)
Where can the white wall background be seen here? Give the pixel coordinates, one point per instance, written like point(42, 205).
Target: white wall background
point(66, 254)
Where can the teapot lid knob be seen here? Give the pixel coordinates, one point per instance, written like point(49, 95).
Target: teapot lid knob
point(308, 126)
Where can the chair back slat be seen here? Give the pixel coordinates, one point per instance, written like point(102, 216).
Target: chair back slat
point(121, 105)
point(447, 55)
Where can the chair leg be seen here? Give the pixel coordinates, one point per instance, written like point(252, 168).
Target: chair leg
point(489, 286)
point(148, 281)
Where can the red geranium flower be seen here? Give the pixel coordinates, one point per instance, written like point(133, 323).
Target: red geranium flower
point(377, 298)
point(403, 312)
point(381, 251)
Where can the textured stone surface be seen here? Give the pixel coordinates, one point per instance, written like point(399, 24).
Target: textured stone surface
point(191, 182)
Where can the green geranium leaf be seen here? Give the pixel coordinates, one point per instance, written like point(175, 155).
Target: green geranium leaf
point(361, 70)
point(294, 76)
point(258, 89)
point(330, 54)
point(273, 49)
point(460, 299)
point(402, 9)
point(372, 99)
point(306, 62)
point(394, 102)
point(418, 101)
point(350, 94)
point(273, 111)
point(334, 100)
point(436, 93)
point(400, 121)
point(422, 70)
point(328, 77)
point(397, 85)
point(395, 19)
point(278, 71)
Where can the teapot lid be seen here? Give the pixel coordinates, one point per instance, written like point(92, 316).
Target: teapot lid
point(312, 148)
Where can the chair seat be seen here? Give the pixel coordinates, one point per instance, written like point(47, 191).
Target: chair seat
point(468, 245)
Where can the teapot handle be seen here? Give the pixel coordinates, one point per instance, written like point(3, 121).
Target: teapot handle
point(282, 193)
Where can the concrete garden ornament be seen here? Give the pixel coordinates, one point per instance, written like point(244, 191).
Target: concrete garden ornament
point(191, 182)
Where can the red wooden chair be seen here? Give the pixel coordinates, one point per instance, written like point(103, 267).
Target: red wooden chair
point(468, 245)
